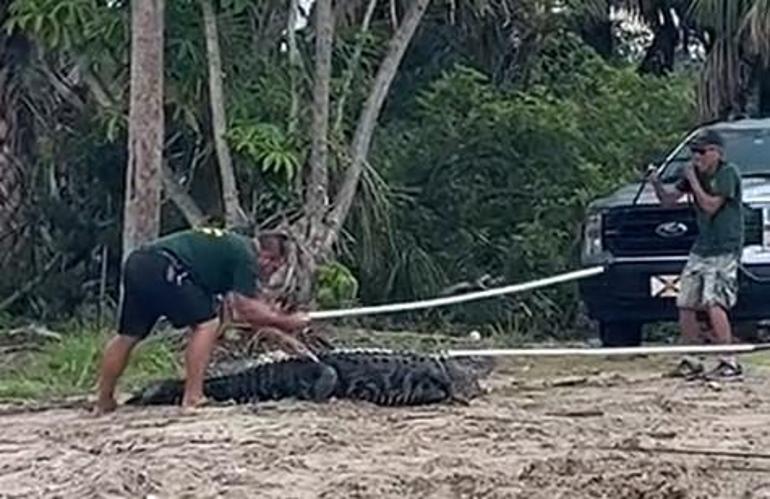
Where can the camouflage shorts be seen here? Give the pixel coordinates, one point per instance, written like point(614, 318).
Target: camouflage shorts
point(709, 281)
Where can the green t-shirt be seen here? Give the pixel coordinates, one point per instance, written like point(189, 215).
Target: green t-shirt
point(723, 232)
point(219, 261)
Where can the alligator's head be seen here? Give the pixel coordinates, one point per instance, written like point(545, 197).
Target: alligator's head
point(466, 374)
point(160, 393)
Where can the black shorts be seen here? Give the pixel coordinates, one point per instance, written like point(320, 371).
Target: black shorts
point(156, 285)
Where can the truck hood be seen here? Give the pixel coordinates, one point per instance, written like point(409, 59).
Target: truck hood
point(755, 191)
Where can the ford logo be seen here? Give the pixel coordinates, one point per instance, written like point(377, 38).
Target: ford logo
point(671, 229)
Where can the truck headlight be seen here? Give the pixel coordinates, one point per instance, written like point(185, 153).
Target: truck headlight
point(766, 228)
point(592, 235)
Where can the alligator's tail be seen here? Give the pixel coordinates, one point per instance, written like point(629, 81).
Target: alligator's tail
point(298, 378)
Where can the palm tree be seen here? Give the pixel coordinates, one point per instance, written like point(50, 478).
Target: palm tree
point(735, 35)
point(738, 32)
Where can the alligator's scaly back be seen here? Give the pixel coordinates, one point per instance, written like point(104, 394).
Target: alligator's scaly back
point(391, 378)
point(382, 377)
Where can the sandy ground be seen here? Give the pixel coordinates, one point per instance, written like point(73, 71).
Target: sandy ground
point(547, 430)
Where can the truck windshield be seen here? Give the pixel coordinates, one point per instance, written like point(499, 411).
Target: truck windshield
point(748, 149)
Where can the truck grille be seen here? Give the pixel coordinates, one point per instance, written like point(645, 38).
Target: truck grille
point(631, 231)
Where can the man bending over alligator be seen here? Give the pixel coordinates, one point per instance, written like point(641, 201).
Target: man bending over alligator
point(179, 277)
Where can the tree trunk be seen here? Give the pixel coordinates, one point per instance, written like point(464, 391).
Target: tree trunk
point(182, 199)
point(350, 72)
point(145, 128)
point(317, 200)
point(659, 58)
point(295, 65)
point(234, 214)
point(368, 119)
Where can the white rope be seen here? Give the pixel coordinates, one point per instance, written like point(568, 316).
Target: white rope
point(449, 300)
point(535, 352)
point(641, 350)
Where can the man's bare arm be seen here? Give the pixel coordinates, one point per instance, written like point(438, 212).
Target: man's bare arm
point(667, 197)
point(260, 314)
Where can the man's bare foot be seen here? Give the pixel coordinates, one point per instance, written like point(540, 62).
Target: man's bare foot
point(193, 401)
point(104, 406)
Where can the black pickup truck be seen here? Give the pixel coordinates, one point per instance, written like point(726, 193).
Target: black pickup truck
point(644, 246)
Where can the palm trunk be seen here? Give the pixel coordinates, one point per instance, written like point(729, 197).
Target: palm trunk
point(318, 183)
point(146, 127)
point(234, 214)
point(368, 119)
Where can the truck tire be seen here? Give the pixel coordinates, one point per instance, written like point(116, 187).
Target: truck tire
point(620, 334)
point(747, 332)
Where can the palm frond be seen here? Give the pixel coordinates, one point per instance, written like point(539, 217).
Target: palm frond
point(756, 28)
point(589, 9)
point(722, 81)
point(724, 17)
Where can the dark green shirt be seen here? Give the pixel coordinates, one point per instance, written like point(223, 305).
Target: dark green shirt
point(722, 232)
point(219, 261)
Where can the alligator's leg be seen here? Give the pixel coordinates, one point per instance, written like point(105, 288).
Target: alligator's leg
point(319, 385)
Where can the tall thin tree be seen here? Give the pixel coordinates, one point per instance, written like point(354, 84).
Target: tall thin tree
point(317, 188)
point(141, 221)
point(234, 214)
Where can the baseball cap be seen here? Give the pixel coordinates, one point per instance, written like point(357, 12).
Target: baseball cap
point(705, 138)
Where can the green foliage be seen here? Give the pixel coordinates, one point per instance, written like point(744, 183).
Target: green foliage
point(336, 286)
point(69, 24)
point(267, 146)
point(466, 177)
point(69, 367)
point(498, 180)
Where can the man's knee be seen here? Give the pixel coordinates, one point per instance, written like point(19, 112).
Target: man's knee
point(126, 341)
point(717, 310)
point(207, 328)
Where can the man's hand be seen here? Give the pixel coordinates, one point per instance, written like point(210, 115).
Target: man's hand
point(652, 174)
point(288, 342)
point(297, 321)
point(260, 314)
point(689, 173)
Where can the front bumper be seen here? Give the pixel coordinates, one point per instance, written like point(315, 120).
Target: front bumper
point(624, 293)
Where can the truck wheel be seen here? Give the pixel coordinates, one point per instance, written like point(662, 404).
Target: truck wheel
point(747, 331)
point(620, 334)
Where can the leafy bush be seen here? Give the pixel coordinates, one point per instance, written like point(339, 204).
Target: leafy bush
point(336, 286)
point(495, 182)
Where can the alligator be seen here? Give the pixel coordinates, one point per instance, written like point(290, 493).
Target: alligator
point(382, 377)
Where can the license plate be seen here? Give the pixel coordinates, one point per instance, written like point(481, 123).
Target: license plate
point(664, 286)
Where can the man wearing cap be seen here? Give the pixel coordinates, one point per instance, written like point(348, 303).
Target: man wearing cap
point(709, 280)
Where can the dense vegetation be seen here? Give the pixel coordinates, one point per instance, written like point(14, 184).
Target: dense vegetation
point(503, 121)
